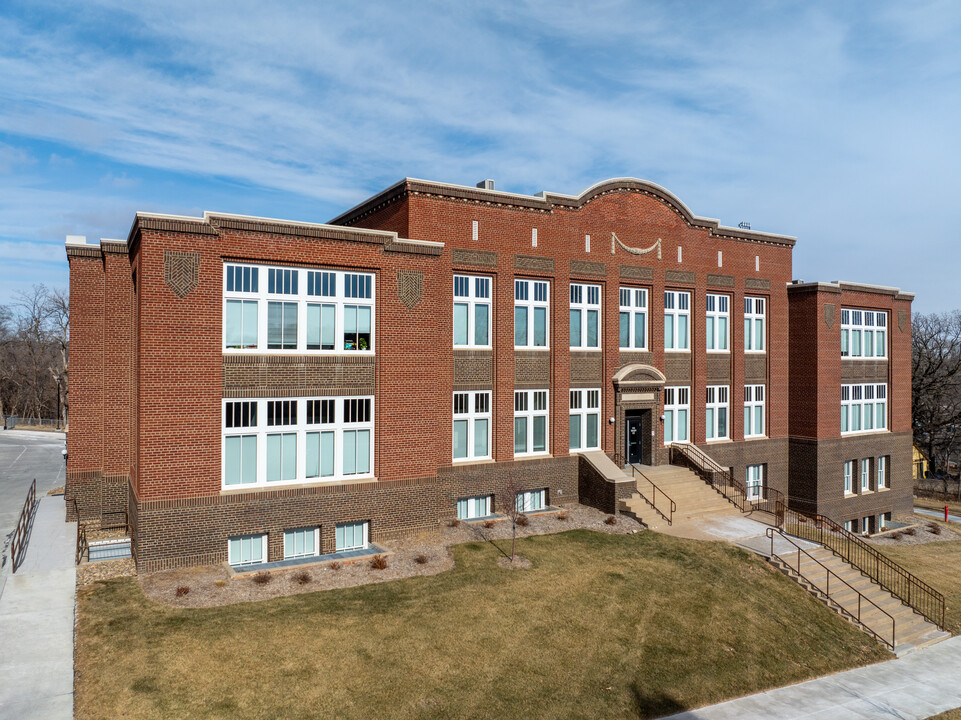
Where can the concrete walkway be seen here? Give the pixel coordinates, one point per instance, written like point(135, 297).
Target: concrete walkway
point(939, 514)
point(914, 687)
point(37, 621)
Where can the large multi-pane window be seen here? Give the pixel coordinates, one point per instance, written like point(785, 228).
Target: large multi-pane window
point(677, 320)
point(717, 329)
point(677, 409)
point(633, 319)
point(530, 422)
point(753, 410)
point(297, 310)
point(472, 311)
point(849, 477)
point(531, 500)
point(472, 425)
point(270, 441)
point(531, 305)
point(864, 408)
point(754, 324)
point(716, 412)
point(247, 549)
point(585, 419)
point(585, 316)
point(755, 482)
point(863, 333)
point(471, 508)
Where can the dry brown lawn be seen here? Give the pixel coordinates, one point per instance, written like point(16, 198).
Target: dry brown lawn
point(601, 626)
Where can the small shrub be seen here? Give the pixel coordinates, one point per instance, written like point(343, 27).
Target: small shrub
point(221, 583)
point(262, 578)
point(453, 523)
point(896, 536)
point(611, 520)
point(564, 516)
point(935, 528)
point(335, 565)
point(302, 578)
point(421, 559)
point(523, 520)
point(378, 563)
point(909, 531)
point(182, 590)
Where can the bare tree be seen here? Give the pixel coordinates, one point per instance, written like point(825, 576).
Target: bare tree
point(936, 385)
point(512, 509)
point(58, 312)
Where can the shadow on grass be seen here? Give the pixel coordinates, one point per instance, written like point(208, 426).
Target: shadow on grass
point(654, 705)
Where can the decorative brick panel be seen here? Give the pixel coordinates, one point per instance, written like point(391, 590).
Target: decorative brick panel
point(684, 277)
point(587, 267)
point(677, 368)
point(755, 369)
point(534, 263)
point(723, 281)
point(586, 369)
point(719, 368)
point(864, 371)
point(297, 375)
point(532, 370)
point(637, 272)
point(473, 369)
point(481, 258)
point(757, 284)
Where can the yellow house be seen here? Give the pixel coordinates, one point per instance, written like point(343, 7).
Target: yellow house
point(920, 463)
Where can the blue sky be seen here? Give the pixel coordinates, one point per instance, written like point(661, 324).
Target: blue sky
point(834, 122)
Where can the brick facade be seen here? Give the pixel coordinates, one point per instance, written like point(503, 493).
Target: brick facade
point(149, 372)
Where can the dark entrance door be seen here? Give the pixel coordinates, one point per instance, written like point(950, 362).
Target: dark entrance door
point(638, 435)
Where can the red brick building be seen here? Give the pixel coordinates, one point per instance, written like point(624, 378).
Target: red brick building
point(254, 389)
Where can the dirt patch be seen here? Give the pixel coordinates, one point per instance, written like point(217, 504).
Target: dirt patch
point(213, 585)
point(518, 563)
point(923, 534)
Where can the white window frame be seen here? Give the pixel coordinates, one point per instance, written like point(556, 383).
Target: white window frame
point(528, 405)
point(475, 412)
point(633, 304)
point(754, 482)
point(755, 324)
point(717, 332)
point(584, 403)
point(467, 507)
point(865, 475)
point(340, 300)
point(677, 307)
point(313, 532)
point(853, 526)
point(864, 408)
point(262, 537)
point(532, 295)
point(301, 429)
point(677, 414)
point(585, 299)
point(531, 500)
point(717, 401)
point(476, 286)
point(849, 477)
point(754, 401)
point(881, 474)
point(864, 333)
point(366, 536)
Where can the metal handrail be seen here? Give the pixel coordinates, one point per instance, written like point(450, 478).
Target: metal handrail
point(827, 589)
point(673, 505)
point(19, 544)
point(109, 526)
point(83, 546)
point(898, 581)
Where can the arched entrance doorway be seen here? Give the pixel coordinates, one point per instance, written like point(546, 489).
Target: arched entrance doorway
point(637, 398)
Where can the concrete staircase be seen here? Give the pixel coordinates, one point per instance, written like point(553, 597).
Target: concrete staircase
point(847, 587)
point(695, 499)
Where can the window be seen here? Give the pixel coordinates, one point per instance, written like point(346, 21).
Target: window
point(530, 422)
point(882, 473)
point(865, 475)
point(849, 477)
point(247, 549)
point(531, 302)
point(472, 311)
point(303, 310)
point(853, 526)
point(585, 419)
point(863, 333)
point(472, 413)
point(475, 507)
point(303, 542)
point(677, 315)
point(716, 412)
point(531, 500)
point(585, 316)
point(296, 440)
point(717, 330)
point(754, 324)
point(633, 319)
point(864, 408)
point(351, 536)
point(677, 406)
point(753, 411)
point(755, 482)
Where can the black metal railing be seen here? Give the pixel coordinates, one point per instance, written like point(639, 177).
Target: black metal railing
point(113, 519)
point(898, 581)
point(83, 546)
point(21, 534)
point(667, 506)
point(812, 578)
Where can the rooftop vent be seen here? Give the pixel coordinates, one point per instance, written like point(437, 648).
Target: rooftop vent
point(486, 184)
point(744, 225)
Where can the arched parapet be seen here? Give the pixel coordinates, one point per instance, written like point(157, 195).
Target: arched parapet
point(638, 376)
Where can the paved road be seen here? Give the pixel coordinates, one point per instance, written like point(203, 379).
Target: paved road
point(25, 455)
point(939, 514)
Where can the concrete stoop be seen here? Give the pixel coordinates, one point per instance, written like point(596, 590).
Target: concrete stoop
point(695, 499)
point(878, 606)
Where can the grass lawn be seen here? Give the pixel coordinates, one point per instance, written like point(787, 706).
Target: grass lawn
point(603, 626)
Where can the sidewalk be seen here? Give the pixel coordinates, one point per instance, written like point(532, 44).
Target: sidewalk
point(914, 687)
point(37, 621)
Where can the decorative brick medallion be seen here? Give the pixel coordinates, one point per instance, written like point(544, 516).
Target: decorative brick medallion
point(409, 285)
point(181, 271)
point(902, 320)
point(829, 314)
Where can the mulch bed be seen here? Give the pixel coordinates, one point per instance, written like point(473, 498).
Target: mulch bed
point(923, 534)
